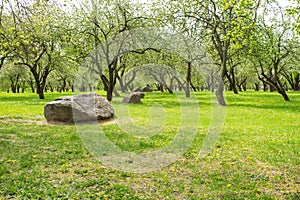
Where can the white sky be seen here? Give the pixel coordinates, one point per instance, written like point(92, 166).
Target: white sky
point(284, 3)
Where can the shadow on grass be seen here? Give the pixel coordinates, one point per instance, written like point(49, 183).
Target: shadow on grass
point(265, 100)
point(291, 108)
point(8, 97)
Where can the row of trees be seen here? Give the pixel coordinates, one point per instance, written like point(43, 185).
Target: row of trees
point(249, 43)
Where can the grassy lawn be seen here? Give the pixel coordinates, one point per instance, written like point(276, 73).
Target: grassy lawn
point(257, 155)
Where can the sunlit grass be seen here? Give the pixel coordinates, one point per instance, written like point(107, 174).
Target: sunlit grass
point(256, 157)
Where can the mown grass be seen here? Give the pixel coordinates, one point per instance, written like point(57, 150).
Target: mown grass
point(256, 156)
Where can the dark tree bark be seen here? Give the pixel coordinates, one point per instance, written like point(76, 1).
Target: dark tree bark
point(242, 85)
point(163, 85)
point(232, 80)
point(273, 80)
point(188, 80)
point(111, 82)
point(51, 88)
point(63, 84)
point(265, 86)
point(14, 83)
point(40, 73)
point(256, 87)
point(293, 78)
point(13, 88)
point(159, 87)
point(31, 85)
point(105, 82)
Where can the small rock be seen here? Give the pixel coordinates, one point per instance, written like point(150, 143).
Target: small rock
point(134, 98)
point(146, 89)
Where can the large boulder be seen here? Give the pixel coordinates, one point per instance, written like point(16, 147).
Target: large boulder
point(134, 98)
point(146, 89)
point(79, 108)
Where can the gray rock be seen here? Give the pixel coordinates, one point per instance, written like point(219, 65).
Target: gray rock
point(146, 89)
point(134, 98)
point(79, 108)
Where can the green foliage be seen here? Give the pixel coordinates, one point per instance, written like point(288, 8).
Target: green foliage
point(294, 11)
point(273, 47)
point(53, 39)
point(13, 78)
point(35, 39)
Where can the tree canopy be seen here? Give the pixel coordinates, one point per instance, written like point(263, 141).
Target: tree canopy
point(251, 44)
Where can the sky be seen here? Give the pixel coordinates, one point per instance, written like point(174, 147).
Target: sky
point(284, 3)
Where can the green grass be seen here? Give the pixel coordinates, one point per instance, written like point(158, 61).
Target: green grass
point(257, 155)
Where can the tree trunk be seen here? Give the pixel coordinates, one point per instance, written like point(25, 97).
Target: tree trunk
point(171, 84)
point(128, 83)
point(284, 94)
point(131, 87)
point(51, 88)
point(13, 88)
point(14, 84)
point(244, 86)
point(235, 91)
point(40, 91)
point(265, 87)
point(169, 90)
point(116, 93)
point(105, 82)
point(90, 87)
point(110, 89)
point(161, 87)
point(40, 85)
point(211, 85)
point(220, 89)
point(280, 89)
point(23, 87)
point(240, 87)
point(294, 79)
point(274, 83)
point(64, 84)
point(193, 87)
point(123, 89)
point(109, 94)
point(220, 95)
point(188, 80)
point(31, 84)
point(256, 86)
point(232, 82)
point(179, 85)
point(297, 82)
point(41, 94)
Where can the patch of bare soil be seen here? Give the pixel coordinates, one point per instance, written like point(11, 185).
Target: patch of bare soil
point(44, 122)
point(37, 122)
